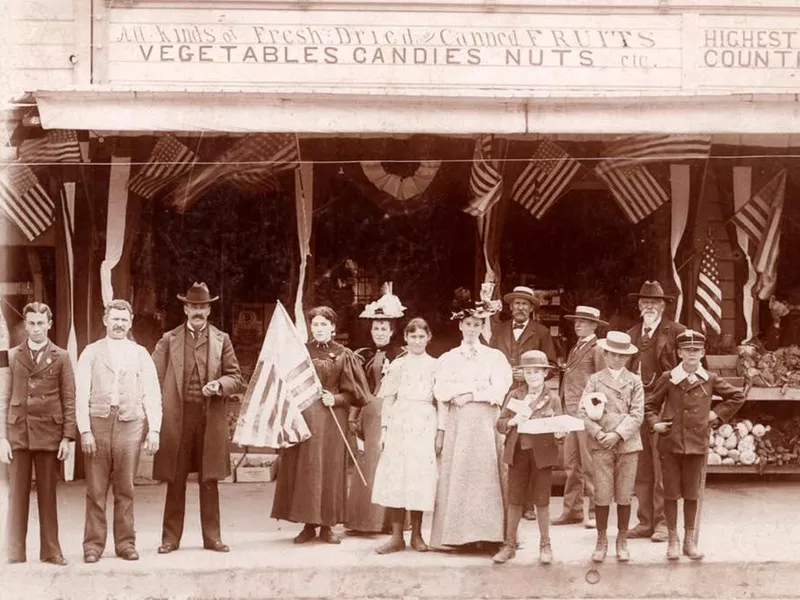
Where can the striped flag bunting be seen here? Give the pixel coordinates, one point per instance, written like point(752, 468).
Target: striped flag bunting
point(640, 149)
point(25, 201)
point(485, 181)
point(253, 158)
point(169, 160)
point(57, 146)
point(635, 189)
point(544, 179)
point(283, 384)
point(753, 217)
point(708, 296)
point(250, 182)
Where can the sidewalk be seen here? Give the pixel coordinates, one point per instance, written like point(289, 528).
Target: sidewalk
point(750, 534)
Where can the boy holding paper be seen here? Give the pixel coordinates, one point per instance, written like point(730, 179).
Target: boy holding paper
point(612, 409)
point(530, 458)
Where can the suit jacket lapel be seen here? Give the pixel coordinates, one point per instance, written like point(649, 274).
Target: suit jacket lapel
point(575, 357)
point(176, 349)
point(47, 353)
point(214, 351)
point(663, 337)
point(527, 333)
point(24, 355)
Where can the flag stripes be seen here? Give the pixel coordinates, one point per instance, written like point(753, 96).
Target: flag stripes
point(544, 179)
point(25, 201)
point(485, 181)
point(639, 149)
point(708, 296)
point(169, 160)
point(753, 217)
point(56, 146)
point(635, 189)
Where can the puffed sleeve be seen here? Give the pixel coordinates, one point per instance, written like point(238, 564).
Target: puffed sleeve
point(447, 385)
point(352, 381)
point(500, 380)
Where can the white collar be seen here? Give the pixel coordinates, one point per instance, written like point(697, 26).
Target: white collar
point(652, 327)
point(616, 373)
point(678, 374)
point(587, 339)
point(37, 347)
point(192, 329)
point(117, 343)
point(470, 349)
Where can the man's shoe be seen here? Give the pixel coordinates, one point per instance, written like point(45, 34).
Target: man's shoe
point(91, 557)
point(639, 532)
point(56, 560)
point(659, 535)
point(217, 546)
point(327, 535)
point(308, 534)
point(545, 553)
point(566, 520)
point(529, 515)
point(167, 547)
point(128, 554)
point(506, 553)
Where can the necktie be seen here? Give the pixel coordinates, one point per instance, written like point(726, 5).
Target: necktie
point(35, 354)
point(646, 337)
point(519, 326)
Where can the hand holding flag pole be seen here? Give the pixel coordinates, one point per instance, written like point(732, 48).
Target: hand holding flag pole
point(347, 445)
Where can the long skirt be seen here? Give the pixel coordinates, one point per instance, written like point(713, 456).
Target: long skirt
point(469, 496)
point(407, 473)
point(312, 478)
point(362, 514)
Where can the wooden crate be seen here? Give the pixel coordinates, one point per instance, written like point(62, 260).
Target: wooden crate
point(723, 364)
point(252, 474)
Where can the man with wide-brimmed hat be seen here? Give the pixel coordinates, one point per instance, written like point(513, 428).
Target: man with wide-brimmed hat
point(679, 410)
point(655, 336)
point(198, 370)
point(585, 358)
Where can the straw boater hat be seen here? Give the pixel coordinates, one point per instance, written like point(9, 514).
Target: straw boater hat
point(198, 294)
point(652, 289)
point(387, 307)
point(586, 313)
point(464, 307)
point(691, 339)
point(534, 358)
point(522, 292)
point(618, 343)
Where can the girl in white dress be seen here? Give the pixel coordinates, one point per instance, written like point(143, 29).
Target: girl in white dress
point(412, 432)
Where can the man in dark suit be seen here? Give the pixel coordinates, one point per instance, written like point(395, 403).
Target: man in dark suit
point(585, 358)
point(198, 370)
point(519, 335)
point(784, 328)
point(655, 337)
point(37, 424)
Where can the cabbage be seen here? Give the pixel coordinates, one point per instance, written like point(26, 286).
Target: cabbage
point(728, 461)
point(748, 458)
point(731, 442)
point(734, 454)
point(741, 430)
point(725, 430)
point(749, 424)
point(747, 443)
point(719, 440)
point(711, 438)
point(759, 430)
point(713, 459)
point(721, 450)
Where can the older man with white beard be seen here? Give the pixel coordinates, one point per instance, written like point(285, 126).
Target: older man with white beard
point(655, 337)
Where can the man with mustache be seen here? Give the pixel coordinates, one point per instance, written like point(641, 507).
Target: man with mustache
point(198, 370)
point(655, 337)
point(117, 401)
point(522, 334)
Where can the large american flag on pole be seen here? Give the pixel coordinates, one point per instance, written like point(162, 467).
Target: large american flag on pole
point(485, 181)
point(169, 160)
point(283, 384)
point(545, 179)
point(640, 149)
point(637, 192)
point(708, 296)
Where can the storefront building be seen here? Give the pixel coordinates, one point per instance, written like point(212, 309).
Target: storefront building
point(622, 136)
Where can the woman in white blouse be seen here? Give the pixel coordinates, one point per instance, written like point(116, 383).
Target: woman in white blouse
point(471, 381)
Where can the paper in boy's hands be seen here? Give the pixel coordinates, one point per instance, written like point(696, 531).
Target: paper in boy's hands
point(520, 408)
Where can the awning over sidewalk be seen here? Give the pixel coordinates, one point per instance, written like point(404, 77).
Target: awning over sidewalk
point(223, 110)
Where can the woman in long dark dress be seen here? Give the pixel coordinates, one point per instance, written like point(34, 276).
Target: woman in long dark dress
point(363, 516)
point(312, 478)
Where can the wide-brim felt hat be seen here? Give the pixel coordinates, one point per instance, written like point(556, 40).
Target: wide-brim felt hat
point(652, 289)
point(586, 313)
point(617, 342)
point(522, 292)
point(197, 294)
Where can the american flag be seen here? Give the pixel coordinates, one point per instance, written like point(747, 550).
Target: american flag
point(57, 146)
point(639, 149)
point(545, 178)
point(760, 220)
point(635, 189)
point(485, 181)
point(708, 297)
point(283, 384)
point(169, 160)
point(256, 155)
point(25, 201)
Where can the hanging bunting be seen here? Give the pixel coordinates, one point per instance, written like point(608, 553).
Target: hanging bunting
point(401, 188)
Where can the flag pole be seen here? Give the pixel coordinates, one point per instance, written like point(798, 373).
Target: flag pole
point(347, 445)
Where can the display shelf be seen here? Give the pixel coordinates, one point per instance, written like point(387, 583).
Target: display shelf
point(753, 470)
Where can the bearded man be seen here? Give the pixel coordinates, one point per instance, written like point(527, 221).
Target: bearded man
point(655, 337)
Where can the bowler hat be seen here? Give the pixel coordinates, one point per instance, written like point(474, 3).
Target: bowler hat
point(534, 358)
point(617, 342)
point(522, 292)
point(586, 313)
point(690, 338)
point(652, 289)
point(198, 294)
